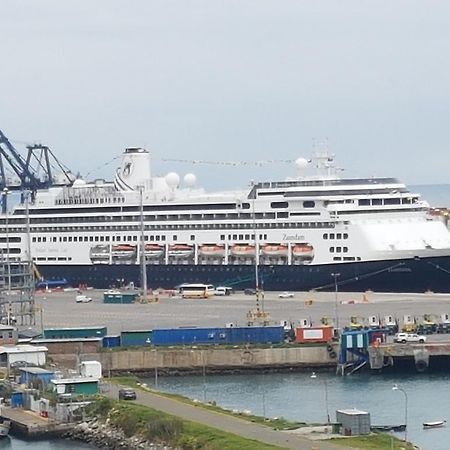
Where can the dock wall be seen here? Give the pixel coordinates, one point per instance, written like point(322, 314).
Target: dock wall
point(193, 359)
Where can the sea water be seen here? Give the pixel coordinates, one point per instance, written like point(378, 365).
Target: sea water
point(300, 397)
point(15, 443)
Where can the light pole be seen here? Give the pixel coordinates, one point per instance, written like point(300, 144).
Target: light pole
point(336, 315)
point(156, 368)
point(8, 265)
point(204, 376)
point(325, 385)
point(397, 388)
point(143, 260)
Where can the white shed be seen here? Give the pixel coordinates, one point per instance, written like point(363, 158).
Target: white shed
point(23, 355)
point(91, 369)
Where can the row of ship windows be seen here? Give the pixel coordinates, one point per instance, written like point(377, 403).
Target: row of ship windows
point(338, 249)
point(52, 258)
point(93, 200)
point(183, 227)
point(387, 201)
point(347, 258)
point(223, 237)
point(161, 218)
point(335, 236)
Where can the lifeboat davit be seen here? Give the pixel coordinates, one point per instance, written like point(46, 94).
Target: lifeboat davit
point(275, 250)
point(212, 250)
point(243, 250)
point(303, 251)
point(181, 250)
point(154, 250)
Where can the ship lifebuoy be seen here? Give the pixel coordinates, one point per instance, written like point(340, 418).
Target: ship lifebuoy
point(421, 365)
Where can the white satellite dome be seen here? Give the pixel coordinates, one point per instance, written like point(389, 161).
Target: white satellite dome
point(301, 163)
point(190, 179)
point(172, 180)
point(78, 182)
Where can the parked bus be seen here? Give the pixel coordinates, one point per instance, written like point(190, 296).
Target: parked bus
point(196, 290)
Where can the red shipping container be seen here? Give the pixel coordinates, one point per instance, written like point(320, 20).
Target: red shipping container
point(314, 335)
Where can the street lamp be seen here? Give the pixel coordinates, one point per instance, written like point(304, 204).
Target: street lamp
point(156, 368)
point(325, 384)
point(204, 376)
point(142, 249)
point(8, 265)
point(336, 316)
point(397, 388)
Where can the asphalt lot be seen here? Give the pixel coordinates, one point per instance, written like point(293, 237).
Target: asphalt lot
point(59, 309)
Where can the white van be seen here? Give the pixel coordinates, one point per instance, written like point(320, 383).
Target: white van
point(223, 290)
point(83, 299)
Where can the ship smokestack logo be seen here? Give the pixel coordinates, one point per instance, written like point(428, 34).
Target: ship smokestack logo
point(126, 172)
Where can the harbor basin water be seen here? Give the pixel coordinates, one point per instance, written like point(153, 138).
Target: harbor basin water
point(298, 397)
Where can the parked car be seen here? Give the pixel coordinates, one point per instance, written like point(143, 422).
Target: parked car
point(409, 337)
point(286, 295)
point(83, 299)
point(250, 291)
point(127, 394)
point(223, 290)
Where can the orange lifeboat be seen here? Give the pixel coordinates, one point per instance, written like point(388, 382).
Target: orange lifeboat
point(154, 250)
point(123, 249)
point(275, 250)
point(303, 251)
point(181, 250)
point(212, 250)
point(243, 250)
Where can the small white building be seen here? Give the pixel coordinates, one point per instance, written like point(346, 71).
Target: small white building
point(32, 355)
point(91, 369)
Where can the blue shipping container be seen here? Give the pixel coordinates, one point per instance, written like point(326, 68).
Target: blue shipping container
point(233, 335)
point(136, 338)
point(111, 341)
point(17, 399)
point(74, 333)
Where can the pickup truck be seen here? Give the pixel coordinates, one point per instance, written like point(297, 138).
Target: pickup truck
point(409, 337)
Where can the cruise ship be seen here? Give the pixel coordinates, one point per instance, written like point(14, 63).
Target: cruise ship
point(320, 232)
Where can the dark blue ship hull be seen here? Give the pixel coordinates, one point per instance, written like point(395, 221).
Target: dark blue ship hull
point(407, 275)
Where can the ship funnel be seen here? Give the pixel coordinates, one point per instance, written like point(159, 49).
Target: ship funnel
point(134, 170)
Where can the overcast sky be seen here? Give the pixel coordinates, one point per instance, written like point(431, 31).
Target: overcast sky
point(231, 81)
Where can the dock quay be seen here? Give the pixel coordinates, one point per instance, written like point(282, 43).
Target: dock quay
point(29, 424)
point(421, 355)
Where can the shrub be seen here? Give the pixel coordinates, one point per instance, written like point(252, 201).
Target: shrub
point(189, 443)
point(101, 407)
point(163, 428)
point(126, 421)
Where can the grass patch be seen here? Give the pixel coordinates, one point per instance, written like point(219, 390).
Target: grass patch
point(374, 441)
point(278, 423)
point(161, 427)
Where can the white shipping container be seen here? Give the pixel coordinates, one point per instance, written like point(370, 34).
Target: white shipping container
point(91, 369)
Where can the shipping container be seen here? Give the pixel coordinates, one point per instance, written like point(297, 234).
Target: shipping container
point(136, 338)
point(232, 335)
point(313, 335)
point(111, 341)
point(355, 339)
point(71, 333)
point(120, 298)
point(354, 422)
point(17, 399)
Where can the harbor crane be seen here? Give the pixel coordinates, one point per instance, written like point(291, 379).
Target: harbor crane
point(33, 172)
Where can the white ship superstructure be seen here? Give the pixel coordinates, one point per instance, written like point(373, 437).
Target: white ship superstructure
point(304, 222)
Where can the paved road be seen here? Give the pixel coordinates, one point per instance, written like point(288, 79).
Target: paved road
point(235, 425)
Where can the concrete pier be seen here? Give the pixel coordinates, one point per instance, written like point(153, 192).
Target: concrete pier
point(32, 425)
point(422, 354)
point(214, 359)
